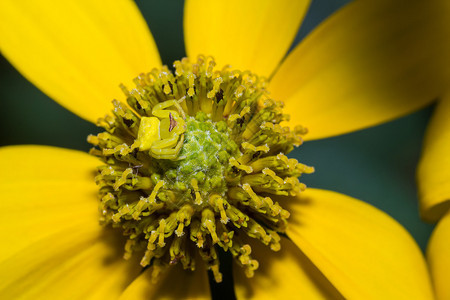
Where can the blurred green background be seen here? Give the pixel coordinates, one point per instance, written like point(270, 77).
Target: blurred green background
point(376, 165)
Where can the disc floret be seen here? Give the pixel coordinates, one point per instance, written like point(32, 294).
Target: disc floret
point(192, 163)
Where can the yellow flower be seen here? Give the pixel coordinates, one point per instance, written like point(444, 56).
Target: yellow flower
point(433, 175)
point(438, 259)
point(433, 178)
point(367, 64)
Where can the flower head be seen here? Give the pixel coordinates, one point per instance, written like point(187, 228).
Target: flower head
point(195, 159)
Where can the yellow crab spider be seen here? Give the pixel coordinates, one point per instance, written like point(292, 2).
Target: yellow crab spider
point(163, 134)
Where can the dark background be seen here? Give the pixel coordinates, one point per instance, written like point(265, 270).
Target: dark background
point(376, 165)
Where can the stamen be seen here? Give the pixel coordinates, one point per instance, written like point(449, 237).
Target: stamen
point(218, 203)
point(198, 197)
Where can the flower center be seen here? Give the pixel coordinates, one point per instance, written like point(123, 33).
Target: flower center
point(203, 159)
point(192, 163)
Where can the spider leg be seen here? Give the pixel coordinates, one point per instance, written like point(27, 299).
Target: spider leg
point(165, 153)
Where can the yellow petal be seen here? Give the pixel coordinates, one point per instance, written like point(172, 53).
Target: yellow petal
point(78, 52)
point(69, 265)
point(371, 62)
point(52, 244)
point(439, 259)
point(362, 251)
point(433, 173)
point(174, 284)
point(250, 35)
point(48, 190)
point(287, 274)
